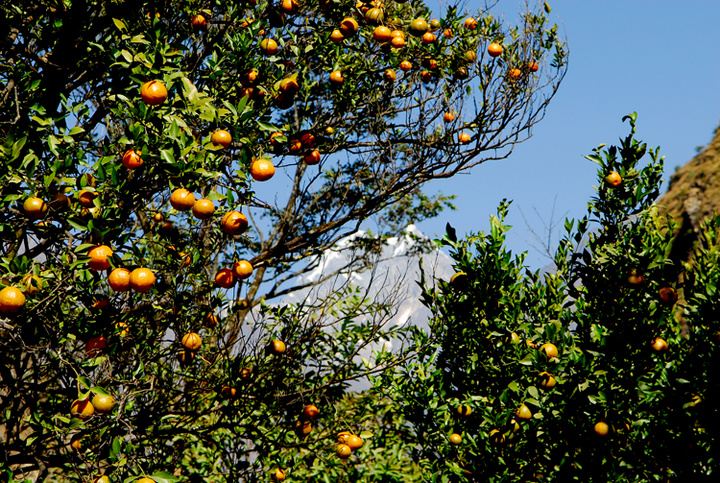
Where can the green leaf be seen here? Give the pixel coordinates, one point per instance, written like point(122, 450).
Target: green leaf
point(120, 25)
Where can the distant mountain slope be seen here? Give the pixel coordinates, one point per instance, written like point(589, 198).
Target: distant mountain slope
point(693, 195)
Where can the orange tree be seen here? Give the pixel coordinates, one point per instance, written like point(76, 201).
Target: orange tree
point(136, 236)
point(591, 371)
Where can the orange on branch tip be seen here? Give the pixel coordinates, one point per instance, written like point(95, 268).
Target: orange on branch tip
point(659, 345)
point(182, 199)
point(455, 439)
point(278, 346)
point(343, 451)
point(103, 403)
point(614, 179)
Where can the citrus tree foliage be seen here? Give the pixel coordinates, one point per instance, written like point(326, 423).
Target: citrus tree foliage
point(134, 138)
point(591, 371)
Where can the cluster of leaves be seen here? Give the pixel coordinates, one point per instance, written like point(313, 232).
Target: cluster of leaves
point(611, 294)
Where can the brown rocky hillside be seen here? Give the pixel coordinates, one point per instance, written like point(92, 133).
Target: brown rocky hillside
point(693, 195)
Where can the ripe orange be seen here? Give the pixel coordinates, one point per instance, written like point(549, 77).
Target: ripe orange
point(245, 372)
point(635, 278)
point(390, 75)
point(496, 437)
point(234, 223)
point(203, 209)
point(76, 442)
point(311, 411)
point(550, 350)
point(279, 475)
point(418, 27)
point(192, 341)
point(294, 146)
point(103, 404)
point(228, 391)
point(547, 380)
point(119, 279)
point(35, 207)
point(343, 451)
point(448, 117)
point(185, 357)
point(82, 409)
point(668, 295)
point(533, 66)
point(262, 169)
point(85, 198)
point(382, 33)
point(398, 42)
point(99, 257)
point(374, 15)
point(495, 49)
point(336, 36)
point(182, 200)
point(515, 73)
point(278, 346)
point(153, 93)
point(470, 56)
point(470, 23)
point(289, 6)
point(429, 38)
point(448, 33)
point(308, 140)
point(221, 138)
point(602, 428)
point(464, 137)
point(343, 436)
point(303, 428)
point(349, 27)
point(11, 300)
point(210, 320)
point(158, 217)
point(268, 46)
point(613, 178)
point(101, 479)
point(354, 441)
point(198, 21)
point(145, 480)
point(60, 202)
point(289, 86)
point(336, 77)
point(142, 279)
point(464, 410)
point(224, 278)
point(455, 438)
point(313, 158)
point(242, 269)
point(131, 159)
point(523, 412)
point(659, 345)
point(405, 66)
point(95, 345)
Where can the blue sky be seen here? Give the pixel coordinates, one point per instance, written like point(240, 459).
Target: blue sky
point(658, 58)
